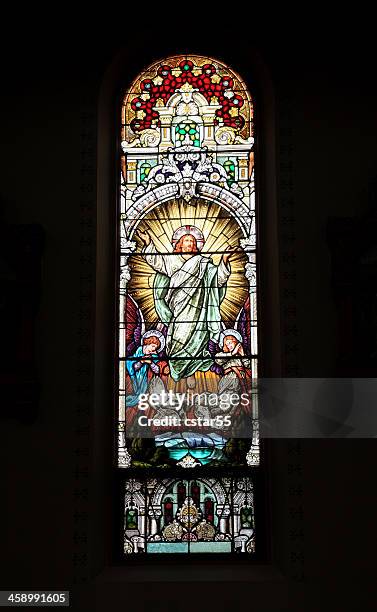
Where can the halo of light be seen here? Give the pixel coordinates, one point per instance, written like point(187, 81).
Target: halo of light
point(158, 334)
point(186, 230)
point(229, 332)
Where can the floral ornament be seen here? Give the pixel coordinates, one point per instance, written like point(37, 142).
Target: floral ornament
point(186, 167)
point(158, 89)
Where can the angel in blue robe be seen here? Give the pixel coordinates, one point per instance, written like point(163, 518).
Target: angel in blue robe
point(144, 364)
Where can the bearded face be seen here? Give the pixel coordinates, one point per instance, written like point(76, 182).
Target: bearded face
point(186, 244)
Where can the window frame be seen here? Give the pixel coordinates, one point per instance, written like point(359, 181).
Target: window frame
point(262, 555)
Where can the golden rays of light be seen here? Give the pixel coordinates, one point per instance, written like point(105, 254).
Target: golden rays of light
point(219, 230)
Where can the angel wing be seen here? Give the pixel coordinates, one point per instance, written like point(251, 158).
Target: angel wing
point(135, 326)
point(243, 323)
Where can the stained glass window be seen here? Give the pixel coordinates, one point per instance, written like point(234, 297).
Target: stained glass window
point(188, 446)
point(205, 515)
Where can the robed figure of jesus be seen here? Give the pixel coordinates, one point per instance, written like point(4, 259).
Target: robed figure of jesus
point(188, 290)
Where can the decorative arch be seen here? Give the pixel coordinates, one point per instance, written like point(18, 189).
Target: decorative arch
point(193, 81)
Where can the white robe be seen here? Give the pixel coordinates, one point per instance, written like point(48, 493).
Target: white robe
point(188, 294)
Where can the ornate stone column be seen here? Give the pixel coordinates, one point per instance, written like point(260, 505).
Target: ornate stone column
point(124, 457)
point(131, 165)
point(166, 117)
point(208, 117)
point(243, 174)
point(236, 519)
point(154, 514)
point(141, 520)
point(223, 513)
point(253, 455)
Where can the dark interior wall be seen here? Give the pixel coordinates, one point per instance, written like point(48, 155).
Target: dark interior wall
point(50, 90)
point(335, 167)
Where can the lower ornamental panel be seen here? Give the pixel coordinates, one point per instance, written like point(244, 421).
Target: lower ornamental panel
point(205, 515)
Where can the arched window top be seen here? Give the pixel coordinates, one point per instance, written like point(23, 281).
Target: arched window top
point(187, 92)
point(187, 127)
